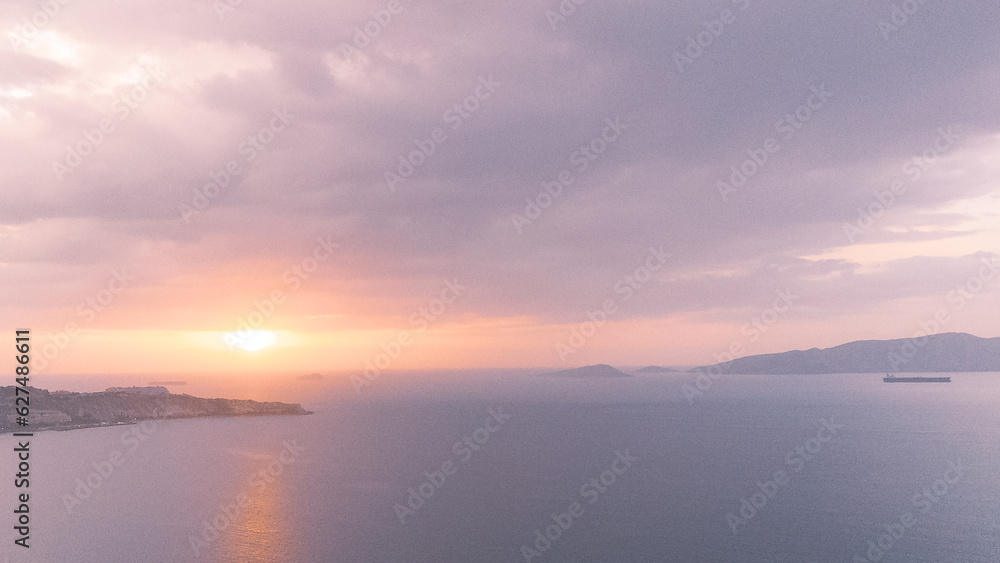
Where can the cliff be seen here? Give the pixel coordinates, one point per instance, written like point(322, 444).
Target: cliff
point(64, 410)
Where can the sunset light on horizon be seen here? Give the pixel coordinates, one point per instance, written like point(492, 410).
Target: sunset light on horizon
point(318, 200)
point(546, 281)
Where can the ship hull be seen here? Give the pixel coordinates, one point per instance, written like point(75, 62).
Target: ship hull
point(916, 379)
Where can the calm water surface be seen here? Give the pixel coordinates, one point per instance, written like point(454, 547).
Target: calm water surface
point(340, 491)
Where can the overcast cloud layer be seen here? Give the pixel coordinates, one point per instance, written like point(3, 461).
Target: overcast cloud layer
point(826, 106)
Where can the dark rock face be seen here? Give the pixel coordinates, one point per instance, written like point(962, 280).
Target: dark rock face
point(76, 410)
point(948, 352)
point(599, 370)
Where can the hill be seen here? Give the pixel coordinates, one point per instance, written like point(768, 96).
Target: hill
point(62, 410)
point(948, 352)
point(599, 370)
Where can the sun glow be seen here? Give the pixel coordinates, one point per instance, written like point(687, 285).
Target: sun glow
point(251, 341)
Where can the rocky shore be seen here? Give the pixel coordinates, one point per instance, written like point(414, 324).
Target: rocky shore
point(63, 410)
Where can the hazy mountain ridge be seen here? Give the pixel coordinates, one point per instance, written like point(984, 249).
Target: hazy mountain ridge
point(50, 410)
point(599, 370)
point(947, 352)
point(656, 369)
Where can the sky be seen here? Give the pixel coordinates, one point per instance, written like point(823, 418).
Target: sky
point(246, 186)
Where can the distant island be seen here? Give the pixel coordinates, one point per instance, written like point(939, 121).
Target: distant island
point(596, 371)
point(948, 352)
point(656, 369)
point(65, 410)
point(310, 377)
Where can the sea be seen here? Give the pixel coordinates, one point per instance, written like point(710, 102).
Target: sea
point(504, 465)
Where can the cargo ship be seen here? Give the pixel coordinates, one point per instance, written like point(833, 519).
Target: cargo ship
point(893, 379)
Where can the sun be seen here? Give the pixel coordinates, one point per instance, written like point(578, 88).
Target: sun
point(251, 340)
